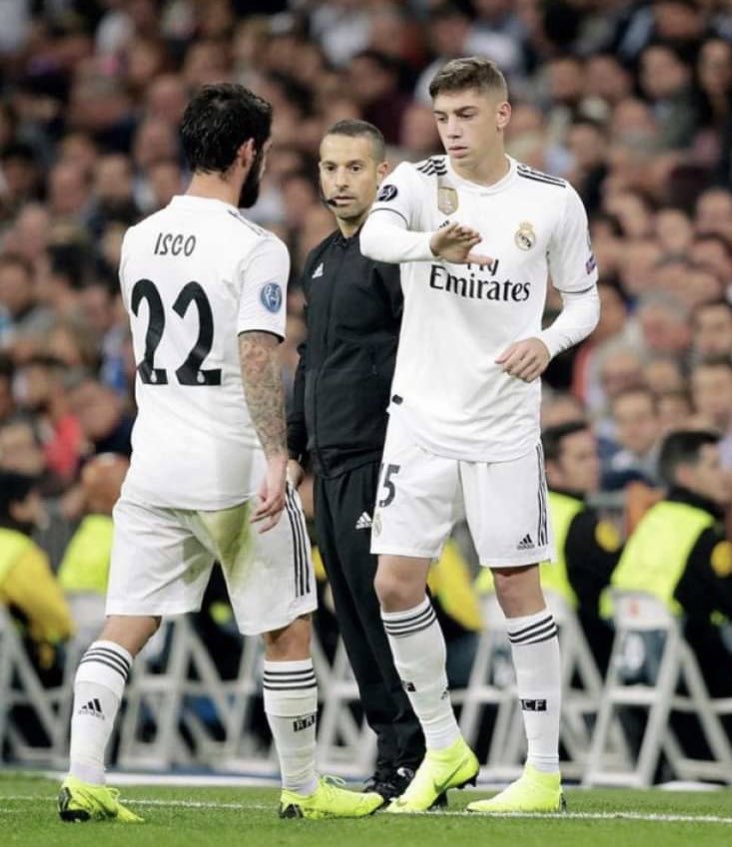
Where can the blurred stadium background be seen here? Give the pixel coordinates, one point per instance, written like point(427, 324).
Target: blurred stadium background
point(629, 101)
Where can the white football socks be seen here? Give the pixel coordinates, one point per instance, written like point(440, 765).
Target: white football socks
point(535, 649)
point(98, 688)
point(418, 647)
point(291, 706)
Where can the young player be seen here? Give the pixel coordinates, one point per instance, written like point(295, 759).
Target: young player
point(477, 234)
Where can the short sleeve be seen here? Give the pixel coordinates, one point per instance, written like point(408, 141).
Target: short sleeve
point(400, 194)
point(123, 287)
point(263, 299)
point(572, 263)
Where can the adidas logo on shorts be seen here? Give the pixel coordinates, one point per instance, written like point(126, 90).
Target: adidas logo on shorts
point(364, 522)
point(526, 543)
point(94, 708)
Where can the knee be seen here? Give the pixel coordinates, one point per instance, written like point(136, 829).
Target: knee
point(519, 591)
point(289, 644)
point(130, 632)
point(396, 594)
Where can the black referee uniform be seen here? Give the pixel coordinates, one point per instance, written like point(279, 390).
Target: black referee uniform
point(337, 425)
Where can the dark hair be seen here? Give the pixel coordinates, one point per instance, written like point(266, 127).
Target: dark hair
point(718, 361)
point(682, 448)
point(553, 436)
point(362, 129)
point(470, 72)
point(14, 488)
point(218, 120)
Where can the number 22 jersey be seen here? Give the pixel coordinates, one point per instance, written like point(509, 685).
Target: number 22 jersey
point(193, 276)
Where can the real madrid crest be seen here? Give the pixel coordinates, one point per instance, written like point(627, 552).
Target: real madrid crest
point(525, 237)
point(447, 200)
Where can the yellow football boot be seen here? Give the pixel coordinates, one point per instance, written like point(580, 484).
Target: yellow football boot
point(533, 791)
point(84, 801)
point(453, 767)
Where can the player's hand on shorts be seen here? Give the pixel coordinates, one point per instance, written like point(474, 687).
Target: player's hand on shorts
point(295, 473)
point(526, 360)
point(271, 494)
point(454, 243)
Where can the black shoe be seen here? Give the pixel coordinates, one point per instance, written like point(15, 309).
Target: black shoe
point(392, 784)
point(382, 783)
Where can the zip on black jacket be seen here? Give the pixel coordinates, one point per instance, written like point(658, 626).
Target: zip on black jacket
point(337, 419)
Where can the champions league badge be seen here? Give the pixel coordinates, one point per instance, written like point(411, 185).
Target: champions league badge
point(271, 297)
point(386, 193)
point(447, 200)
point(525, 237)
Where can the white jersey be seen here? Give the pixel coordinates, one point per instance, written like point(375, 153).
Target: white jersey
point(448, 389)
point(194, 275)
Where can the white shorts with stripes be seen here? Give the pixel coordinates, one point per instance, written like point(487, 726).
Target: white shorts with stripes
point(421, 495)
point(162, 559)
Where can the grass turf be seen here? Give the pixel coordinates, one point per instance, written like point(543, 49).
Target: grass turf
point(248, 817)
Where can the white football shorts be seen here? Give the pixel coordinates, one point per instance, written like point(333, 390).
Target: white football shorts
point(162, 560)
point(420, 495)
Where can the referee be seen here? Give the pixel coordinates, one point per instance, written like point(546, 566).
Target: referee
point(337, 424)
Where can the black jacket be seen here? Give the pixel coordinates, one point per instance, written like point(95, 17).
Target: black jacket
point(705, 586)
point(337, 420)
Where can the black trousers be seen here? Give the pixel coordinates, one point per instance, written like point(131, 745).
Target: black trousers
point(339, 504)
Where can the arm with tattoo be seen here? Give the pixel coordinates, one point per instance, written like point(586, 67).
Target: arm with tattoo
point(262, 377)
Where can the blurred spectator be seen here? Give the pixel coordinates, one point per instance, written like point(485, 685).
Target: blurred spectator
point(662, 375)
point(714, 213)
point(712, 329)
point(674, 410)
point(665, 79)
point(40, 392)
point(22, 320)
point(588, 548)
point(711, 389)
point(373, 79)
point(637, 431)
point(28, 588)
point(84, 568)
point(105, 424)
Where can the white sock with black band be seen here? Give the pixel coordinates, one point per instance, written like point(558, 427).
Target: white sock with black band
point(98, 688)
point(535, 649)
point(291, 706)
point(418, 647)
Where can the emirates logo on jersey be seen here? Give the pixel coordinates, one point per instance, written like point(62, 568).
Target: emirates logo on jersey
point(472, 286)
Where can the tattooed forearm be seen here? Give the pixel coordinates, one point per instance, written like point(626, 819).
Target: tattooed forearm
point(262, 377)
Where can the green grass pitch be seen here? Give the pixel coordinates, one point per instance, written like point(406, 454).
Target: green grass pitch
point(246, 817)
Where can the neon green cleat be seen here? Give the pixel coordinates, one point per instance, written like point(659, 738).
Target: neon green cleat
point(453, 767)
point(329, 800)
point(533, 791)
point(84, 801)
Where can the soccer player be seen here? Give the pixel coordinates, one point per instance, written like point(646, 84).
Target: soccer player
point(337, 424)
point(205, 290)
point(477, 234)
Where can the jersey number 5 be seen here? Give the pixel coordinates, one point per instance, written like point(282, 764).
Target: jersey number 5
point(388, 484)
point(190, 372)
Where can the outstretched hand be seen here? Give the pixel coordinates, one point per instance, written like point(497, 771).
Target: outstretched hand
point(526, 360)
point(455, 242)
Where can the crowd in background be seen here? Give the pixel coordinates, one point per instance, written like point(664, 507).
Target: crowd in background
point(629, 101)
